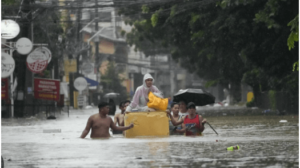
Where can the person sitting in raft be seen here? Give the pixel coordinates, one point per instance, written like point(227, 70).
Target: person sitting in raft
point(192, 124)
point(100, 123)
point(119, 117)
point(176, 117)
point(140, 98)
point(183, 111)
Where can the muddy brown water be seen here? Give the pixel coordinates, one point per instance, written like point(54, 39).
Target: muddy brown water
point(263, 141)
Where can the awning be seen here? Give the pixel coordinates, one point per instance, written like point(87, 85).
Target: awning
point(91, 82)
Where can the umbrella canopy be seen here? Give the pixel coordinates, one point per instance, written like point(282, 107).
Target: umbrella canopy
point(199, 96)
point(111, 95)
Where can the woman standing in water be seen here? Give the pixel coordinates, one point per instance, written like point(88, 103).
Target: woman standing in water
point(140, 98)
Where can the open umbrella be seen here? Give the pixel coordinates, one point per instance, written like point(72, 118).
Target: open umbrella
point(111, 95)
point(199, 96)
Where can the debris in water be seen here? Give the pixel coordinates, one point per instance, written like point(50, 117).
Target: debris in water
point(231, 148)
point(88, 107)
point(52, 131)
point(283, 121)
point(51, 117)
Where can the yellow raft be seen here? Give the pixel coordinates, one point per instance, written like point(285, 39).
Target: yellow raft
point(147, 124)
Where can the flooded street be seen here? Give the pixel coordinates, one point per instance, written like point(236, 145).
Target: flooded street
point(263, 141)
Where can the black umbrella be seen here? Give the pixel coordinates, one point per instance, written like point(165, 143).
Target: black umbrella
point(199, 96)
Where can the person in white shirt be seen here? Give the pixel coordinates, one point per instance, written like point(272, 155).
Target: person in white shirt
point(183, 111)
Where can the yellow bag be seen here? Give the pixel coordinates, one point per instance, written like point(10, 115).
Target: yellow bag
point(157, 102)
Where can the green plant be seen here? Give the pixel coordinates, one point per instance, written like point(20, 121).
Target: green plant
point(251, 103)
point(272, 98)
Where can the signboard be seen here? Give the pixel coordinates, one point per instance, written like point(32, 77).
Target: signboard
point(45, 51)
point(24, 46)
point(81, 100)
point(29, 90)
point(4, 88)
point(7, 65)
point(87, 68)
point(37, 61)
point(46, 89)
point(80, 83)
point(69, 66)
point(9, 29)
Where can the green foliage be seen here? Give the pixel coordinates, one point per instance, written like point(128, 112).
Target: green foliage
point(8, 2)
point(272, 99)
point(251, 103)
point(294, 35)
point(211, 83)
point(296, 66)
point(173, 10)
point(145, 9)
point(44, 74)
point(268, 16)
point(224, 41)
point(154, 19)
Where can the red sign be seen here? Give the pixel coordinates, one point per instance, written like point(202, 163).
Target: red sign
point(46, 89)
point(4, 88)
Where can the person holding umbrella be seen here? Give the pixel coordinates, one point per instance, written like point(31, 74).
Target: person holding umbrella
point(192, 124)
point(140, 98)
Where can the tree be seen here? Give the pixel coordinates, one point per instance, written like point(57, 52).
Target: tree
point(222, 41)
point(186, 31)
point(112, 82)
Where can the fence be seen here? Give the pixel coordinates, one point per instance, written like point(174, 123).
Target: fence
point(282, 101)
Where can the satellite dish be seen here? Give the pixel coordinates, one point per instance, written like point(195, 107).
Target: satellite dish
point(24, 46)
point(46, 51)
point(7, 65)
point(9, 29)
point(80, 83)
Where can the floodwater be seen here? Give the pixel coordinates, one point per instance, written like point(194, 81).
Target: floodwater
point(263, 141)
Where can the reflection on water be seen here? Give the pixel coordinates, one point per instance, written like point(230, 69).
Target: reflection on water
point(263, 141)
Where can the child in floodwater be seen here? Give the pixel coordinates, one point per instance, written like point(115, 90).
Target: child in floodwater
point(119, 117)
point(100, 123)
point(176, 117)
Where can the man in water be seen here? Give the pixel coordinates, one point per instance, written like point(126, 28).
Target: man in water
point(119, 118)
point(100, 123)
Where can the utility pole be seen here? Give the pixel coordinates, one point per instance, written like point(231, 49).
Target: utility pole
point(97, 59)
point(28, 97)
point(74, 75)
point(78, 34)
point(96, 30)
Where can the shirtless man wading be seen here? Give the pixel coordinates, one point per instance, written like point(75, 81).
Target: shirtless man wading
point(100, 123)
